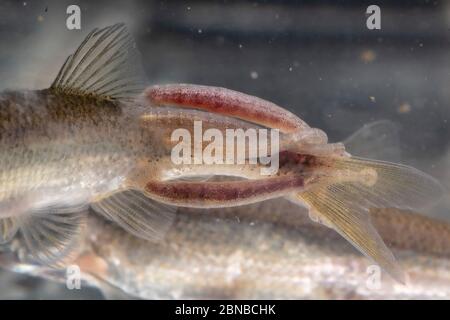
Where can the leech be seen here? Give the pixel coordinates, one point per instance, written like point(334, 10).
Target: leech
point(226, 102)
point(222, 194)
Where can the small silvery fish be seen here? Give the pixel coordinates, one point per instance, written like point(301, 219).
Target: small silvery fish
point(267, 250)
point(99, 139)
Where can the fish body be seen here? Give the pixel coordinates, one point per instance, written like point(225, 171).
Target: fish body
point(54, 144)
point(246, 254)
point(267, 250)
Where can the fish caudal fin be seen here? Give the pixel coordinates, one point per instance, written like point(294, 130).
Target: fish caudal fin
point(354, 225)
point(377, 140)
point(354, 186)
point(137, 214)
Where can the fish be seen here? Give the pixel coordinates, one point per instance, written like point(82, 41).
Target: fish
point(254, 257)
point(99, 141)
point(267, 250)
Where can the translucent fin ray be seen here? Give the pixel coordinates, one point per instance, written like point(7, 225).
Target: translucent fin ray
point(106, 64)
point(137, 214)
point(380, 184)
point(332, 206)
point(353, 186)
point(52, 239)
point(8, 229)
point(377, 140)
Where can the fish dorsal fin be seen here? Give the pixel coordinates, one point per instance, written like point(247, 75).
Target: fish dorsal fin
point(106, 65)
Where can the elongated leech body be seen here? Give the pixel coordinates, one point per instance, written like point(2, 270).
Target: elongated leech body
point(223, 194)
point(226, 101)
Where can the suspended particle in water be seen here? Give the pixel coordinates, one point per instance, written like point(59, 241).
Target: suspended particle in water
point(368, 56)
point(404, 108)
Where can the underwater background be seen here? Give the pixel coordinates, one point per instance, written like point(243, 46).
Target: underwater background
point(315, 58)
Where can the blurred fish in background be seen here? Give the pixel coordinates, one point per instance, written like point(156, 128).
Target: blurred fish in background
point(336, 75)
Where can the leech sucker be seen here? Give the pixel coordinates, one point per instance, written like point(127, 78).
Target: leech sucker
point(226, 102)
point(217, 194)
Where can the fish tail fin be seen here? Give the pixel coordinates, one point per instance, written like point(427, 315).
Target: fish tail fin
point(344, 197)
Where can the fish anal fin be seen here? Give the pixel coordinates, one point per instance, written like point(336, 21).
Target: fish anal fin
point(105, 65)
point(136, 213)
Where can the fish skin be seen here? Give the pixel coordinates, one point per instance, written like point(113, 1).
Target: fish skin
point(61, 141)
point(262, 251)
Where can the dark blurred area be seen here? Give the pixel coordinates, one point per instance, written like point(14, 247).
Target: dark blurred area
point(315, 58)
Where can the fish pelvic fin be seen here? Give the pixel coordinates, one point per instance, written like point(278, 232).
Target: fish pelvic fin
point(139, 215)
point(8, 229)
point(106, 65)
point(48, 226)
point(345, 196)
point(51, 239)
